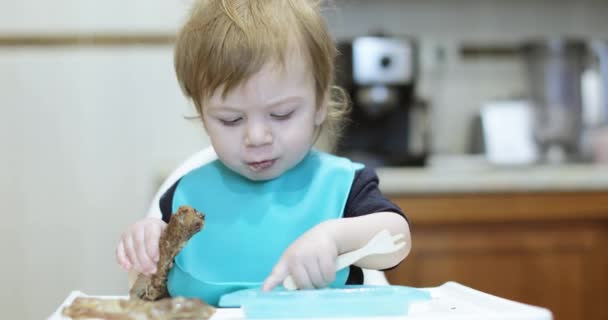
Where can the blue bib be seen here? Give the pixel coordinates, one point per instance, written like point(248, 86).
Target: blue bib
point(249, 224)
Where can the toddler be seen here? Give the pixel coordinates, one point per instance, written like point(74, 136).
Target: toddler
point(260, 74)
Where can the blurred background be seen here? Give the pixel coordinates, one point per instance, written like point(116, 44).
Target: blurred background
point(486, 120)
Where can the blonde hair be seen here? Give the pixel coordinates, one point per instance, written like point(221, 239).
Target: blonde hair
point(225, 42)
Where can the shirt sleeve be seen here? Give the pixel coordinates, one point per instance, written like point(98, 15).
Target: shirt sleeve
point(166, 202)
point(365, 196)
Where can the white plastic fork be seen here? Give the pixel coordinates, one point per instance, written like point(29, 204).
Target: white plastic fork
point(381, 243)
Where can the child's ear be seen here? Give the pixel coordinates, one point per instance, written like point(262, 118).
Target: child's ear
point(321, 113)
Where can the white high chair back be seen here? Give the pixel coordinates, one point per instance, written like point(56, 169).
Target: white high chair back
point(206, 155)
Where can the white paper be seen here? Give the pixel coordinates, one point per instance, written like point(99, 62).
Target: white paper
point(508, 132)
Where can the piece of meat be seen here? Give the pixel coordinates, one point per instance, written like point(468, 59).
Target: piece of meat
point(135, 309)
point(182, 226)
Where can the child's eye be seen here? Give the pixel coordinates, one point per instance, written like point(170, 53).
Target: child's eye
point(281, 116)
point(231, 122)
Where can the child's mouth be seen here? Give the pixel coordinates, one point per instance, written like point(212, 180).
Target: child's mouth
point(261, 165)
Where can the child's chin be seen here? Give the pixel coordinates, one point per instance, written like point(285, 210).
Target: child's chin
point(262, 176)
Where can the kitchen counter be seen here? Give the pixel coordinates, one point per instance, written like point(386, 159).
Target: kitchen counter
point(545, 226)
point(484, 178)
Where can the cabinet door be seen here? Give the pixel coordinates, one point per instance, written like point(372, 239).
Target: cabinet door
point(559, 267)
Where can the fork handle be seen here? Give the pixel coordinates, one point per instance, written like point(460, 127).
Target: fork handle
point(345, 260)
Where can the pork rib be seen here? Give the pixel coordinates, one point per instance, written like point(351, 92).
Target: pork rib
point(183, 225)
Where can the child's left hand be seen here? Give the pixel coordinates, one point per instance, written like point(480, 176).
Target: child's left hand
point(310, 260)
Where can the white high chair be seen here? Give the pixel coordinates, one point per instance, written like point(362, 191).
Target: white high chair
point(372, 277)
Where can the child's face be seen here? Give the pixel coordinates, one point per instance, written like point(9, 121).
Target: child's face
point(267, 125)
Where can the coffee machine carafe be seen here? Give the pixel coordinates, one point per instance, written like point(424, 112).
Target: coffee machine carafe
point(388, 124)
point(555, 67)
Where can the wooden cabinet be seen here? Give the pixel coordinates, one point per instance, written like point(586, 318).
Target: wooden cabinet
point(545, 249)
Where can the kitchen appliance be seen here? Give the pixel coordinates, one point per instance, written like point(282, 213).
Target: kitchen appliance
point(595, 86)
point(555, 67)
point(594, 142)
point(388, 125)
point(568, 79)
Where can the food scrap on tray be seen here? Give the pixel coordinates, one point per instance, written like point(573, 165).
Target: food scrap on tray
point(135, 309)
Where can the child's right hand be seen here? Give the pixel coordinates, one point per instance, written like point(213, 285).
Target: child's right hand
point(138, 246)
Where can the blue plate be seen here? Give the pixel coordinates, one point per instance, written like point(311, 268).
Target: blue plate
point(349, 301)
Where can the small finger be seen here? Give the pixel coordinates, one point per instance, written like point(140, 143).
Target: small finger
point(278, 274)
point(151, 240)
point(131, 253)
point(163, 226)
point(301, 277)
point(121, 257)
point(327, 266)
point(315, 274)
point(142, 256)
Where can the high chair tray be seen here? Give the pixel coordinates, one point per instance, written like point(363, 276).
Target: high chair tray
point(450, 301)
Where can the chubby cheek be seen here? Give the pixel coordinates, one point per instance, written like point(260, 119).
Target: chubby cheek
point(229, 155)
point(226, 143)
point(300, 136)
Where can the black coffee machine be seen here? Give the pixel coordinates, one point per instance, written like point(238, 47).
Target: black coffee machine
point(388, 124)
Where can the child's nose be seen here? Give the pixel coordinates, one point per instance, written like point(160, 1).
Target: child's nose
point(257, 135)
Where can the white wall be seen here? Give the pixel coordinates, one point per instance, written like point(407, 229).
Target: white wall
point(87, 132)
